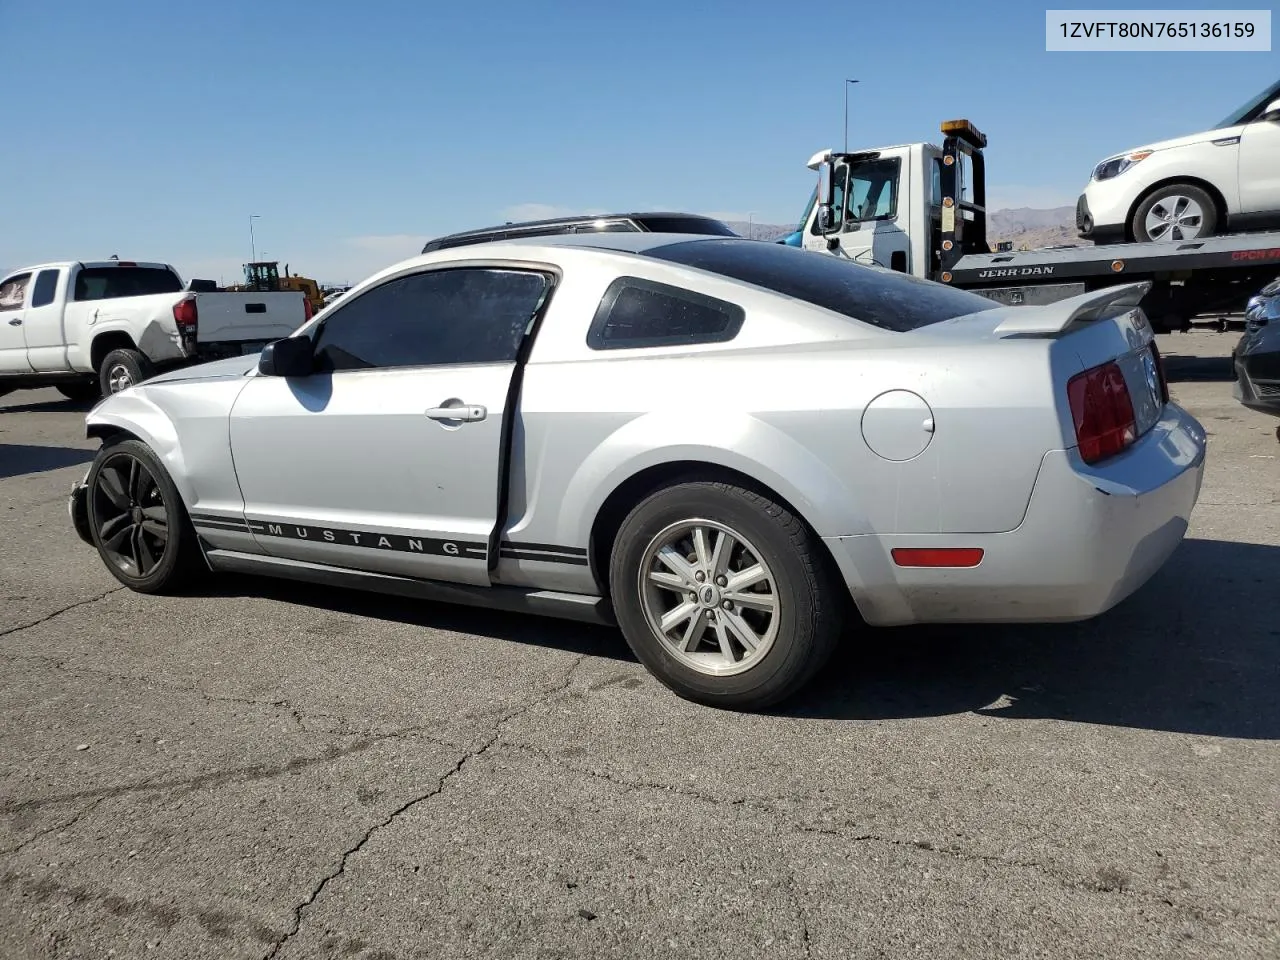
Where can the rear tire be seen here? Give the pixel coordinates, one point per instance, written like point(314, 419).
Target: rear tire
point(83, 391)
point(750, 620)
point(1178, 211)
point(122, 369)
point(138, 521)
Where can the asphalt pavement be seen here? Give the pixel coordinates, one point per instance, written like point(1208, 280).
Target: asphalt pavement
point(265, 769)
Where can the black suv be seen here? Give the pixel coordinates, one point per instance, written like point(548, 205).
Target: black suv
point(605, 223)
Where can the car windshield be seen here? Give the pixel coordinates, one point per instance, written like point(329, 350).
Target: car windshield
point(1240, 115)
point(882, 298)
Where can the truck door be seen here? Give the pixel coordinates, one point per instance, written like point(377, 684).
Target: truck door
point(872, 232)
point(46, 336)
point(13, 342)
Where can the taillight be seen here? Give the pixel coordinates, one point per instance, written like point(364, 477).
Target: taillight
point(1102, 412)
point(307, 308)
point(186, 316)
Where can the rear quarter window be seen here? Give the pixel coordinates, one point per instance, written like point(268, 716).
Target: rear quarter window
point(107, 283)
point(883, 298)
point(640, 313)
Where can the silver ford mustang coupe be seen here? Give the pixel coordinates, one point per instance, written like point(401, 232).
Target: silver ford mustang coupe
point(730, 449)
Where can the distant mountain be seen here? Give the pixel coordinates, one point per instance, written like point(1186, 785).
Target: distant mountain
point(1030, 228)
point(759, 231)
point(1027, 227)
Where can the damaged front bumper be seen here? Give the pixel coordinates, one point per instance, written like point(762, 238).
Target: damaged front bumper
point(78, 508)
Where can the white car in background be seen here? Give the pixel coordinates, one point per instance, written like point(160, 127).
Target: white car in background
point(1223, 179)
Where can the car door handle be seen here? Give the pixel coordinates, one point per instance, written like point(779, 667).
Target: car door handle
point(16, 322)
point(466, 412)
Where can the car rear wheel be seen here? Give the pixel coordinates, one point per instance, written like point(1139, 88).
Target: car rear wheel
point(137, 519)
point(1178, 211)
point(724, 595)
point(122, 368)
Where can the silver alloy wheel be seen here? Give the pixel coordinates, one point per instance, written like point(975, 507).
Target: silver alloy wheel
point(118, 378)
point(1174, 218)
point(709, 596)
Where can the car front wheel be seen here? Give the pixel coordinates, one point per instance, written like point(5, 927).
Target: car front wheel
point(724, 595)
point(137, 519)
point(1178, 211)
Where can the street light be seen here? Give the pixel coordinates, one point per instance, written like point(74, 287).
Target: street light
point(846, 113)
point(253, 250)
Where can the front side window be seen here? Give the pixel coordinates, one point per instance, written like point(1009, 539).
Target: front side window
point(872, 192)
point(13, 292)
point(450, 316)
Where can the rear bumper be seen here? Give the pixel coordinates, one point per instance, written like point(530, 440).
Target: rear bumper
point(1090, 538)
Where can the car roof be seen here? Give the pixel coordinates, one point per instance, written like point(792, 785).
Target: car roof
point(548, 227)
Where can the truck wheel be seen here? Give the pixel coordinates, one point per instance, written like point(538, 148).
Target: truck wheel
point(137, 519)
point(1178, 211)
point(724, 595)
point(80, 391)
point(123, 368)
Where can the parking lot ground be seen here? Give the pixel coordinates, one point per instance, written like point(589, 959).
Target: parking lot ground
point(271, 770)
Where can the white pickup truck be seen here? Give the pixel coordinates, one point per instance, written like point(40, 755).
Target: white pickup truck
point(95, 328)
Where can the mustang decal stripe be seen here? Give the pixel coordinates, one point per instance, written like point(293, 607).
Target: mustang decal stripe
point(373, 540)
point(370, 538)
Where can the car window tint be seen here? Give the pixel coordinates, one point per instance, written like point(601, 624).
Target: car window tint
point(882, 298)
point(640, 313)
point(107, 283)
point(46, 284)
point(464, 315)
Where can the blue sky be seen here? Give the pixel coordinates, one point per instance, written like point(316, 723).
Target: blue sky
point(154, 129)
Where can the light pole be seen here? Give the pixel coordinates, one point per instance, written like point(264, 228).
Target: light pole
point(253, 250)
point(846, 114)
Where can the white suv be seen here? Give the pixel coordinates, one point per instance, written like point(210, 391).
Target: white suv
point(1225, 178)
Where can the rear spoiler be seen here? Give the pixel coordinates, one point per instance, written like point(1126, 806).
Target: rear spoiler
point(1053, 318)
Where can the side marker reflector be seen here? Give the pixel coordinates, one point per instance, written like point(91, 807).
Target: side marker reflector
point(937, 556)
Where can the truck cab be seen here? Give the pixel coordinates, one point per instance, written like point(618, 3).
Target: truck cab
point(885, 207)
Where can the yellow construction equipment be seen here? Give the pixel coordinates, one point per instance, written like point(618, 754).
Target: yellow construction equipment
point(264, 276)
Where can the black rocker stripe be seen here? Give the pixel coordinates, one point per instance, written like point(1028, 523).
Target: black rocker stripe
point(544, 552)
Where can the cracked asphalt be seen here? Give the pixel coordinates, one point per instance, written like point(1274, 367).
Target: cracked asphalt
point(272, 770)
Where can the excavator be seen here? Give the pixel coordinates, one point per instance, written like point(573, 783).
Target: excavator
point(264, 276)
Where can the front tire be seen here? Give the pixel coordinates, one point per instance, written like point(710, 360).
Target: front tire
point(123, 368)
point(725, 596)
point(137, 520)
point(1178, 211)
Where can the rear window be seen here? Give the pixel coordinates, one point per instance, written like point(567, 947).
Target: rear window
point(882, 298)
point(106, 283)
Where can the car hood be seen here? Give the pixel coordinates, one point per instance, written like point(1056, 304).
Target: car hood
point(1204, 136)
point(227, 369)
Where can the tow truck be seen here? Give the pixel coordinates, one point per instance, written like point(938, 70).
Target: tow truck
point(921, 209)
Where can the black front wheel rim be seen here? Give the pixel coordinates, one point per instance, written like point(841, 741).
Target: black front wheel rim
point(130, 516)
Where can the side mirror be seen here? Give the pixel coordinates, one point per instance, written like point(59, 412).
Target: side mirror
point(1272, 112)
point(290, 357)
point(826, 213)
